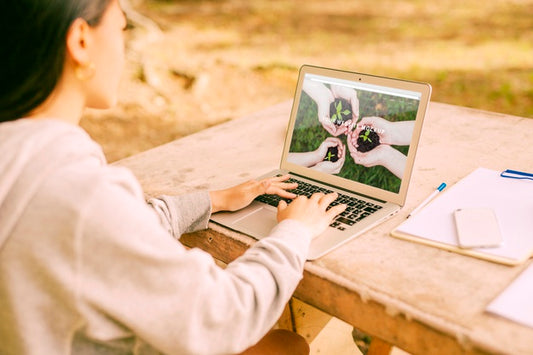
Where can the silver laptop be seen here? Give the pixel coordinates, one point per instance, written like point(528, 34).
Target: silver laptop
point(353, 133)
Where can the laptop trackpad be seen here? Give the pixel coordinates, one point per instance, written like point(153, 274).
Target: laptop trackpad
point(257, 224)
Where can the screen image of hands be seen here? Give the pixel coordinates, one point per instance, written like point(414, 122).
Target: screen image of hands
point(387, 134)
point(369, 140)
point(329, 157)
point(337, 106)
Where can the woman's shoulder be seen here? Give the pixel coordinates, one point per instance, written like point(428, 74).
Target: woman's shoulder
point(56, 159)
point(46, 139)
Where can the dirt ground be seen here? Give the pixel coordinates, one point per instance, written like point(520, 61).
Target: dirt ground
point(173, 85)
point(212, 61)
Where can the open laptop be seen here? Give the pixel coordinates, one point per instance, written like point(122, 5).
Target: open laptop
point(364, 153)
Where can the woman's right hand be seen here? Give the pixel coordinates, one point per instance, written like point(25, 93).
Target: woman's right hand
point(311, 211)
point(379, 125)
point(322, 149)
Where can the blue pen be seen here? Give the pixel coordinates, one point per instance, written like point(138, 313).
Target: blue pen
point(428, 199)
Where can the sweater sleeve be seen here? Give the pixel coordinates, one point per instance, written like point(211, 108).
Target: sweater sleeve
point(135, 278)
point(183, 213)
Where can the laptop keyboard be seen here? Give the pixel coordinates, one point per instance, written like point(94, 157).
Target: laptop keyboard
point(356, 209)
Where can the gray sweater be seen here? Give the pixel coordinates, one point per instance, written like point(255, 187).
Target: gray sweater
point(88, 267)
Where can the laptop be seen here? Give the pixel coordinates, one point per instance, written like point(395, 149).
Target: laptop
point(353, 133)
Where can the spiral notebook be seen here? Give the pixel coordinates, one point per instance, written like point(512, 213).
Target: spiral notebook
point(511, 200)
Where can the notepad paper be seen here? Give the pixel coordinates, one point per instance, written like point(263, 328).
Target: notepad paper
point(515, 302)
point(511, 200)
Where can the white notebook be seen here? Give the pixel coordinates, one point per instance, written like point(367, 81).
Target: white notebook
point(514, 302)
point(511, 200)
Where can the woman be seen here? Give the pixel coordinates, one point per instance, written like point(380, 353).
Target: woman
point(86, 266)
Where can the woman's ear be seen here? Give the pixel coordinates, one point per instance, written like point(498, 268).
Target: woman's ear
point(78, 42)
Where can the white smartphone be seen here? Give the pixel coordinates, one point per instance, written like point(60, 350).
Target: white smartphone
point(477, 228)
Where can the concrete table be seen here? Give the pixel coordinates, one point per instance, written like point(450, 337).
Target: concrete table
point(422, 299)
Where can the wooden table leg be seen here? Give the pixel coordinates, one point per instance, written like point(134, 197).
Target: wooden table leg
point(369, 345)
point(286, 321)
point(379, 347)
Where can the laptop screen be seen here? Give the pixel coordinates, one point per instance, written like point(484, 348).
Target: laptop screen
point(354, 129)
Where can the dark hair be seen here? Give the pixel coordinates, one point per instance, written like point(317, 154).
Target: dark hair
point(33, 48)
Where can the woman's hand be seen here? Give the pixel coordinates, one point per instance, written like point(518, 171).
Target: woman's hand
point(330, 167)
point(312, 211)
point(240, 196)
point(379, 125)
point(351, 96)
point(322, 149)
point(383, 155)
point(377, 156)
point(323, 103)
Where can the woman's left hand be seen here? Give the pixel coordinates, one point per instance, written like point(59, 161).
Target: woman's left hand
point(240, 196)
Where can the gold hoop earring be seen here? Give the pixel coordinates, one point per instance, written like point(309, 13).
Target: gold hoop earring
point(85, 72)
